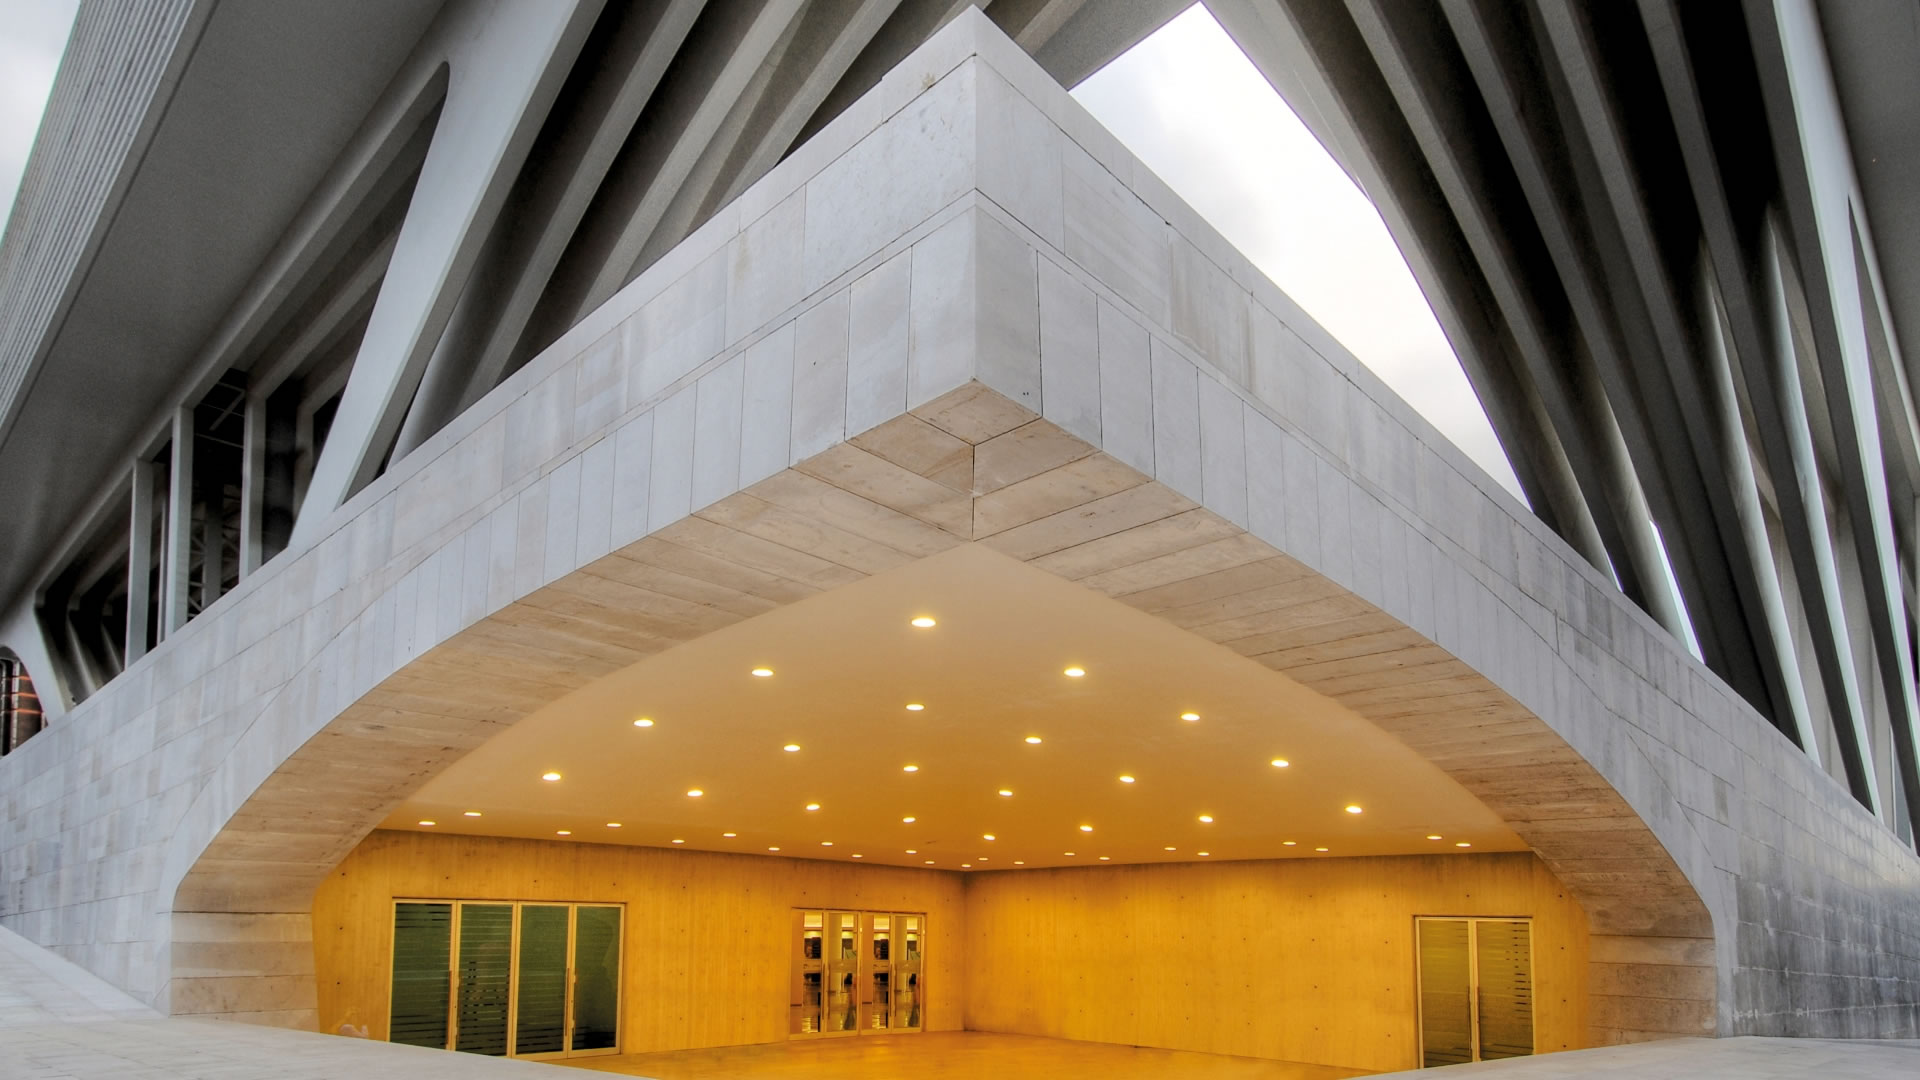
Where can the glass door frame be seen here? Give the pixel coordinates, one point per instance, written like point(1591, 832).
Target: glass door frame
point(1473, 982)
point(863, 969)
point(513, 971)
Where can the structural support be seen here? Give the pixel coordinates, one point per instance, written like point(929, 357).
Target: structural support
point(506, 65)
point(253, 467)
point(140, 558)
point(179, 536)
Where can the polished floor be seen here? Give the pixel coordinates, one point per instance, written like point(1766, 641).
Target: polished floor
point(951, 1055)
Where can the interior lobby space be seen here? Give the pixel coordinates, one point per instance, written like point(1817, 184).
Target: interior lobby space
point(960, 817)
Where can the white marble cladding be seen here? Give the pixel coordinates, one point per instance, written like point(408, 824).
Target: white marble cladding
point(964, 220)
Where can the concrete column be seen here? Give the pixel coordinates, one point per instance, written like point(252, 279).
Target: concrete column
point(179, 538)
point(253, 464)
point(140, 559)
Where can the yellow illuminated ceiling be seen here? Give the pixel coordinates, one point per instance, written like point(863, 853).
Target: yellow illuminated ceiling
point(1100, 765)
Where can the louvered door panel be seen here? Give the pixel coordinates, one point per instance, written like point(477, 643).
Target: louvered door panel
point(422, 951)
point(1446, 992)
point(1503, 953)
point(483, 986)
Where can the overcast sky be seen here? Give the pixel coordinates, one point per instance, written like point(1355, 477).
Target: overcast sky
point(1189, 104)
point(32, 33)
point(1193, 107)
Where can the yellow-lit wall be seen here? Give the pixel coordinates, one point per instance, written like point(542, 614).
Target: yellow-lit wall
point(1302, 960)
point(706, 948)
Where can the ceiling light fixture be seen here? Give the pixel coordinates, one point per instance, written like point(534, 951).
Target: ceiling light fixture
point(1462, 843)
point(550, 777)
point(986, 836)
point(813, 806)
point(856, 856)
point(1189, 717)
point(929, 862)
point(826, 843)
point(1125, 779)
point(1005, 793)
point(564, 832)
point(908, 820)
point(1068, 854)
point(1106, 858)
point(1206, 819)
point(763, 673)
point(613, 824)
point(1169, 849)
point(1434, 836)
point(729, 835)
point(473, 813)
point(643, 722)
point(913, 851)
point(792, 748)
point(909, 768)
point(1033, 740)
point(1319, 849)
point(1287, 843)
point(679, 841)
point(1086, 828)
point(1019, 862)
point(1353, 809)
point(694, 793)
point(429, 823)
point(1280, 763)
point(915, 707)
point(1204, 854)
point(923, 621)
point(1074, 672)
point(773, 849)
point(966, 866)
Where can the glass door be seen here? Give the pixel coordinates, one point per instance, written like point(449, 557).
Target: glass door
point(1476, 989)
point(482, 986)
point(876, 998)
point(807, 1003)
point(907, 985)
point(843, 973)
point(506, 979)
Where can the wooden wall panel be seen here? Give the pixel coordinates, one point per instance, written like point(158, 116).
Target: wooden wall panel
point(1302, 960)
point(706, 948)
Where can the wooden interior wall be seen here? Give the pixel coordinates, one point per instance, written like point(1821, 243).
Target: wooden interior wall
point(706, 947)
point(1303, 960)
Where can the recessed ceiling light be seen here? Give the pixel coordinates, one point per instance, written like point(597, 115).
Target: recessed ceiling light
point(1074, 672)
point(1169, 849)
point(644, 721)
point(1005, 793)
point(763, 673)
point(913, 851)
point(563, 832)
point(1125, 779)
point(1434, 836)
point(922, 621)
point(429, 823)
point(986, 836)
point(550, 777)
point(1033, 740)
point(1189, 716)
point(966, 866)
point(1206, 819)
point(826, 843)
point(1019, 862)
point(679, 841)
point(813, 806)
point(1106, 858)
point(694, 793)
point(915, 707)
point(1287, 843)
point(981, 858)
point(1204, 854)
point(1068, 854)
point(613, 824)
point(1280, 763)
point(792, 748)
point(773, 849)
point(1353, 809)
point(1462, 843)
point(729, 835)
point(1086, 828)
point(1319, 849)
point(908, 820)
point(856, 856)
point(909, 768)
point(473, 813)
point(929, 862)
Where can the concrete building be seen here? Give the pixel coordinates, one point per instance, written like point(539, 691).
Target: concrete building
point(570, 529)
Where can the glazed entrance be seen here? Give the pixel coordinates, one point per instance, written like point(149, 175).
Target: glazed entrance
point(856, 973)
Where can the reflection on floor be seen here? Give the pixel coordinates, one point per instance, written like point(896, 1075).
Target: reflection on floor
point(950, 1055)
